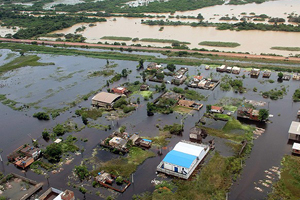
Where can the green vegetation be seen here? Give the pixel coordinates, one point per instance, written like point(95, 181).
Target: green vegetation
point(221, 116)
point(189, 94)
point(53, 152)
point(116, 38)
point(105, 73)
point(34, 26)
point(296, 95)
point(275, 94)
point(81, 171)
point(286, 48)
point(22, 61)
point(228, 83)
point(162, 41)
point(90, 113)
point(41, 116)
point(175, 129)
point(263, 114)
point(125, 166)
point(241, 2)
point(288, 185)
point(219, 44)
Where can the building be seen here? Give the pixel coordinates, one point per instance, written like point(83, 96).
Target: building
point(267, 74)
point(105, 99)
point(183, 159)
point(294, 131)
point(296, 148)
point(236, 70)
point(144, 87)
point(24, 156)
point(172, 95)
point(228, 69)
point(154, 66)
point(118, 142)
point(255, 72)
point(296, 76)
point(286, 77)
point(197, 79)
point(216, 109)
point(55, 194)
point(145, 143)
point(222, 68)
point(120, 90)
point(197, 134)
point(248, 113)
point(190, 104)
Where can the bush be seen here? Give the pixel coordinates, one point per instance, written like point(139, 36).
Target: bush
point(119, 180)
point(45, 134)
point(128, 109)
point(59, 130)
point(41, 116)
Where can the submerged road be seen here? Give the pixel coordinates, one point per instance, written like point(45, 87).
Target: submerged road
point(236, 55)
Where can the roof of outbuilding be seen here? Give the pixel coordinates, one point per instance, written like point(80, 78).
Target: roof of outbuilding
point(296, 146)
point(105, 97)
point(295, 128)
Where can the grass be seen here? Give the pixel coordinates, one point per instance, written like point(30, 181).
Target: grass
point(105, 73)
point(22, 61)
point(116, 38)
point(288, 186)
point(182, 109)
point(222, 116)
point(126, 166)
point(10, 103)
point(162, 41)
point(219, 44)
point(162, 139)
point(286, 48)
point(145, 94)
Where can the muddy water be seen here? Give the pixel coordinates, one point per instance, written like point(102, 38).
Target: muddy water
point(15, 126)
point(254, 42)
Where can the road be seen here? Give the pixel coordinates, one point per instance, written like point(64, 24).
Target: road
point(236, 55)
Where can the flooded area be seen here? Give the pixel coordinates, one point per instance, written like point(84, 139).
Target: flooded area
point(254, 42)
point(54, 86)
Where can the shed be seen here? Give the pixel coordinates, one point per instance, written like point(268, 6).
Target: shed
point(294, 131)
point(105, 99)
point(216, 109)
point(296, 148)
point(196, 133)
point(120, 90)
point(117, 142)
point(236, 70)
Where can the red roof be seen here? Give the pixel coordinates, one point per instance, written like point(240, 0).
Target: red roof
point(216, 108)
point(119, 90)
point(198, 77)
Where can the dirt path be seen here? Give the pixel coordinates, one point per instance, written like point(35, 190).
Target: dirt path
point(237, 55)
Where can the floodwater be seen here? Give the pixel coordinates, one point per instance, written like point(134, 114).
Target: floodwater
point(30, 84)
point(253, 41)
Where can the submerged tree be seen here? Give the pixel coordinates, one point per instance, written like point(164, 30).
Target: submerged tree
point(263, 114)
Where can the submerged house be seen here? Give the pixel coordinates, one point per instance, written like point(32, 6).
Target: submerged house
point(24, 156)
point(255, 72)
point(294, 131)
point(183, 159)
point(236, 70)
point(248, 113)
point(216, 109)
point(105, 99)
point(197, 134)
point(296, 76)
point(296, 148)
point(120, 90)
point(190, 104)
point(267, 74)
point(55, 194)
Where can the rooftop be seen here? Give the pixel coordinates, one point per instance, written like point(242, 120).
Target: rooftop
point(295, 128)
point(296, 146)
point(105, 97)
point(179, 158)
point(188, 148)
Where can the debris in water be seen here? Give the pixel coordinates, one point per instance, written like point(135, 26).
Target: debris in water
point(259, 189)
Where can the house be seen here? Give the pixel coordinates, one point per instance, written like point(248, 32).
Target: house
point(197, 79)
point(202, 83)
point(216, 109)
point(266, 74)
point(55, 194)
point(197, 134)
point(248, 113)
point(120, 90)
point(31, 151)
point(294, 131)
point(296, 148)
point(134, 138)
point(228, 69)
point(108, 180)
point(296, 76)
point(190, 104)
point(254, 72)
point(183, 159)
point(24, 156)
point(236, 70)
point(207, 67)
point(24, 162)
point(221, 68)
point(172, 95)
point(153, 66)
point(145, 143)
point(105, 99)
point(118, 142)
point(144, 87)
point(286, 77)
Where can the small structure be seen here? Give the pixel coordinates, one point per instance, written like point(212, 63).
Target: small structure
point(216, 109)
point(120, 90)
point(248, 113)
point(172, 95)
point(296, 76)
point(190, 104)
point(197, 79)
point(296, 148)
point(153, 66)
point(118, 142)
point(207, 67)
point(197, 134)
point(228, 69)
point(286, 77)
point(183, 159)
point(221, 68)
point(236, 70)
point(58, 140)
point(107, 180)
point(105, 99)
point(266, 74)
point(55, 194)
point(144, 87)
point(138, 141)
point(254, 72)
point(294, 131)
point(145, 143)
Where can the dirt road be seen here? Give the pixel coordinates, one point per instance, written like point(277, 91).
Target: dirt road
point(237, 55)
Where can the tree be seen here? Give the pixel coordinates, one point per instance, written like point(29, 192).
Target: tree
point(280, 75)
point(82, 172)
point(59, 130)
point(160, 76)
point(45, 134)
point(141, 63)
point(199, 16)
point(122, 129)
point(53, 152)
point(84, 118)
point(263, 114)
point(208, 108)
point(144, 76)
point(124, 73)
point(171, 67)
point(138, 100)
point(163, 86)
point(150, 109)
point(41, 116)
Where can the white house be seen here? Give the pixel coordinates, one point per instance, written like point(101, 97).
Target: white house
point(183, 159)
point(296, 148)
point(294, 131)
